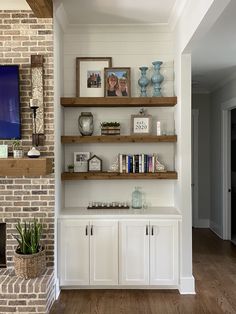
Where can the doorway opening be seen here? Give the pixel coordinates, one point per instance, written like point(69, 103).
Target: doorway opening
point(233, 176)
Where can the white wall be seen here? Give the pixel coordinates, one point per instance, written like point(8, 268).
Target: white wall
point(58, 87)
point(202, 103)
point(197, 17)
point(129, 46)
point(218, 98)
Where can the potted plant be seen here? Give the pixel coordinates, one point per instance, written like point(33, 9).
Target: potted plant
point(70, 168)
point(30, 257)
point(110, 128)
point(17, 149)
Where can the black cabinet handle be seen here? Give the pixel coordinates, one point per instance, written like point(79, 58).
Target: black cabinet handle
point(146, 229)
point(152, 231)
point(91, 230)
point(86, 230)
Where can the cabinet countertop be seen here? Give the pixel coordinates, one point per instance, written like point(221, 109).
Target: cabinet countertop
point(153, 212)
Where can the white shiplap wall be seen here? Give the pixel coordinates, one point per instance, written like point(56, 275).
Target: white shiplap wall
point(129, 46)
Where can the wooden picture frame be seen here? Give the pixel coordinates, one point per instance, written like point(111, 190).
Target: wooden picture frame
point(117, 82)
point(88, 70)
point(81, 161)
point(141, 124)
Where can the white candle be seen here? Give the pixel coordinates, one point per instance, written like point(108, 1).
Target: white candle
point(33, 102)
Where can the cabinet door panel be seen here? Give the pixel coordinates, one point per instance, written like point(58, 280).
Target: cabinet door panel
point(74, 253)
point(164, 252)
point(134, 252)
point(104, 252)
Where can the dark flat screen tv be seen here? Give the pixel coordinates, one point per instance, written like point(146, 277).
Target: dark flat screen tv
point(9, 102)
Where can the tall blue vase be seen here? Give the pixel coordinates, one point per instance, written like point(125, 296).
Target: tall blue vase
point(157, 79)
point(143, 81)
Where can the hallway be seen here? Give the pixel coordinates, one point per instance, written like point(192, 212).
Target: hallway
point(214, 263)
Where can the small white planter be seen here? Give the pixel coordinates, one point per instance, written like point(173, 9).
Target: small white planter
point(18, 153)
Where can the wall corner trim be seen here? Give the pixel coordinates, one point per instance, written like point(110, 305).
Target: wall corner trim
point(57, 288)
point(187, 285)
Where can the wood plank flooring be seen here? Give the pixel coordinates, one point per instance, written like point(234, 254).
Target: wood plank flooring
point(214, 265)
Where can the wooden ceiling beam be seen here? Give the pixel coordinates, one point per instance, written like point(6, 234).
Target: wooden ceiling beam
point(41, 8)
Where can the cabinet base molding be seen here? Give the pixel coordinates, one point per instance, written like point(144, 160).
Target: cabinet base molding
point(187, 285)
point(121, 287)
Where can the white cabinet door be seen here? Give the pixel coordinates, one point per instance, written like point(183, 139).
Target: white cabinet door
point(134, 252)
point(74, 252)
point(103, 252)
point(164, 258)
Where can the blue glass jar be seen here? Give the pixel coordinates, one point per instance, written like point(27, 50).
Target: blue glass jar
point(136, 198)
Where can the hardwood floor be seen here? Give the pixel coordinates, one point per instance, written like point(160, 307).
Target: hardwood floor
point(214, 265)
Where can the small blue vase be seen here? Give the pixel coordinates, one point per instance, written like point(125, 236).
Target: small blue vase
point(143, 81)
point(157, 79)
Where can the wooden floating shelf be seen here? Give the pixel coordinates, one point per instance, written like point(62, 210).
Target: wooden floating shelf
point(118, 139)
point(28, 167)
point(119, 102)
point(170, 175)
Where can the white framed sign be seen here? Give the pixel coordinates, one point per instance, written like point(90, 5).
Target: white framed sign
point(141, 124)
point(3, 151)
point(95, 164)
point(81, 161)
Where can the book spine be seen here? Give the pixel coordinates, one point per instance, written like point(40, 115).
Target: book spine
point(140, 163)
point(136, 163)
point(127, 164)
point(131, 163)
point(124, 163)
point(153, 162)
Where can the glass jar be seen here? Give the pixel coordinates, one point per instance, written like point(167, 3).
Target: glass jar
point(136, 198)
point(86, 123)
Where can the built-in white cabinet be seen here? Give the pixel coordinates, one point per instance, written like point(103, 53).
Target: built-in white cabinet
point(103, 252)
point(148, 252)
point(164, 257)
point(74, 252)
point(88, 252)
point(140, 252)
point(134, 252)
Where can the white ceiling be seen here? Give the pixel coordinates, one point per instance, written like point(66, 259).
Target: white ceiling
point(14, 5)
point(119, 11)
point(214, 58)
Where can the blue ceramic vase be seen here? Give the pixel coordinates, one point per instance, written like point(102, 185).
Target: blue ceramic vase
point(157, 79)
point(143, 81)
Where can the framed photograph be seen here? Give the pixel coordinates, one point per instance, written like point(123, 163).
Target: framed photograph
point(117, 82)
point(90, 76)
point(95, 164)
point(141, 124)
point(81, 161)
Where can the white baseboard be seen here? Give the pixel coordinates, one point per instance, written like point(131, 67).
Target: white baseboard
point(57, 289)
point(187, 285)
point(216, 229)
point(202, 223)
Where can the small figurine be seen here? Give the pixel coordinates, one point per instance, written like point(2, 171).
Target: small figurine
point(114, 166)
point(159, 167)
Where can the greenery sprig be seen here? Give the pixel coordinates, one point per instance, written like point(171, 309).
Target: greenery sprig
point(110, 124)
point(28, 238)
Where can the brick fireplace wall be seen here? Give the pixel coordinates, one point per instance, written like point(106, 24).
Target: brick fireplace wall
point(21, 198)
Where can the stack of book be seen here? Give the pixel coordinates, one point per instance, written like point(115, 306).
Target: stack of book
point(141, 163)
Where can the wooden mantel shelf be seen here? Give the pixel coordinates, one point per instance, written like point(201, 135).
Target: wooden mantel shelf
point(118, 101)
point(170, 175)
point(118, 139)
point(28, 167)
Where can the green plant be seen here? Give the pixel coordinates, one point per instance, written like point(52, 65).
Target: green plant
point(28, 238)
point(70, 167)
point(110, 124)
point(16, 145)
